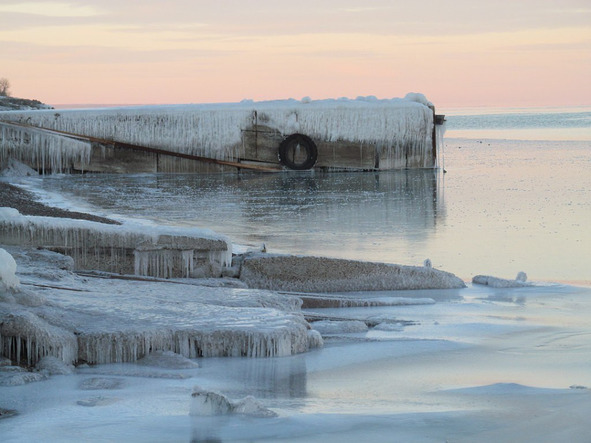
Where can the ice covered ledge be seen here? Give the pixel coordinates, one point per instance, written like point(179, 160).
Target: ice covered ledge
point(127, 249)
point(318, 274)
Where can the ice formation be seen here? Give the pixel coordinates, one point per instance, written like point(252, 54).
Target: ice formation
point(154, 251)
point(319, 274)
point(105, 321)
point(396, 127)
point(40, 149)
point(213, 403)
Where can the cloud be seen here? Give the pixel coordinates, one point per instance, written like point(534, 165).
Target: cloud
point(50, 9)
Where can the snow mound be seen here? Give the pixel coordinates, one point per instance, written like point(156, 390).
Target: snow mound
point(207, 403)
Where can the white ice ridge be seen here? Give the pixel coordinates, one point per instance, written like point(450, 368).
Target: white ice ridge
point(215, 130)
point(143, 250)
point(112, 321)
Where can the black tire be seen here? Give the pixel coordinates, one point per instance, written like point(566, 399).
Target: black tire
point(291, 155)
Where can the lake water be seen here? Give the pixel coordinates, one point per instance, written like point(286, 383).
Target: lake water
point(503, 206)
point(479, 364)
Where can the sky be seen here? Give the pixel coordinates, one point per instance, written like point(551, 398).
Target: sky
point(458, 53)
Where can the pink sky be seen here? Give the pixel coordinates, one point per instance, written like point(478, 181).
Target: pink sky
point(456, 52)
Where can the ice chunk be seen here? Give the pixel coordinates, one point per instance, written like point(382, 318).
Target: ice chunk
point(497, 282)
point(315, 339)
point(8, 276)
point(339, 327)
point(213, 403)
point(167, 359)
point(54, 366)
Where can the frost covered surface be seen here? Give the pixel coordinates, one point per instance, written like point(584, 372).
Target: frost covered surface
point(108, 321)
point(144, 250)
point(317, 274)
point(215, 130)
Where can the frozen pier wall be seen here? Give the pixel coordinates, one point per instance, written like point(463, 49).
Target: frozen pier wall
point(157, 252)
point(319, 274)
point(361, 134)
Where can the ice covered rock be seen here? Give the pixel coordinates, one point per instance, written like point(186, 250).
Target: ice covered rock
point(339, 327)
point(54, 366)
point(496, 282)
point(213, 403)
point(319, 274)
point(168, 360)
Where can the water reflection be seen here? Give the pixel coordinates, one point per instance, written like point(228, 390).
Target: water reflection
point(292, 212)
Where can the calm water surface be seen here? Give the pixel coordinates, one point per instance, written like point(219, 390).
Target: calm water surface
point(502, 207)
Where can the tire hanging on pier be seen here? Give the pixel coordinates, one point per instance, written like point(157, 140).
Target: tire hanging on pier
point(298, 152)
